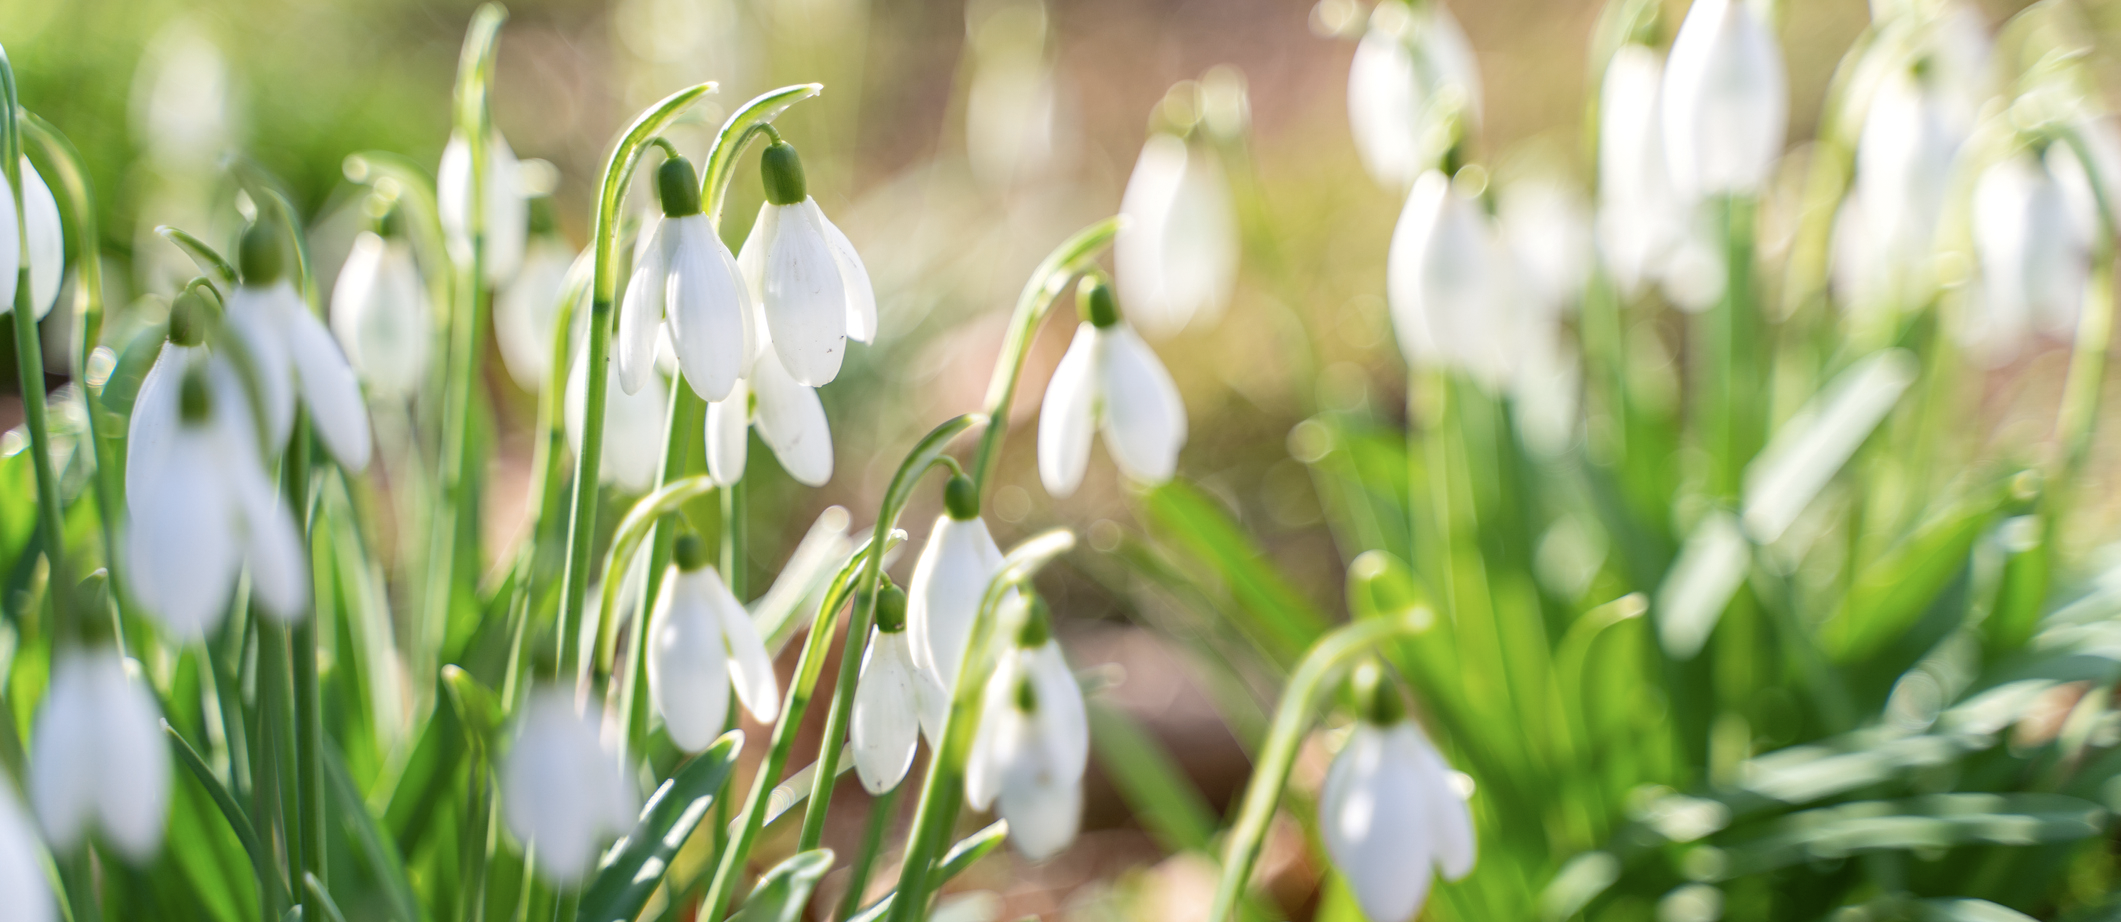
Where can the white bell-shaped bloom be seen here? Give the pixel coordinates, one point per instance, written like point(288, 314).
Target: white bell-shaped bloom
point(47, 244)
point(1176, 253)
point(1904, 161)
point(564, 786)
point(507, 211)
point(201, 504)
point(688, 277)
point(29, 893)
point(1389, 813)
point(1412, 69)
point(294, 356)
point(812, 285)
point(1109, 382)
point(789, 417)
point(633, 425)
point(885, 726)
point(1032, 746)
point(525, 313)
point(2034, 262)
point(1639, 214)
point(1726, 101)
point(379, 312)
point(943, 599)
point(98, 758)
point(1443, 283)
point(700, 642)
point(1546, 227)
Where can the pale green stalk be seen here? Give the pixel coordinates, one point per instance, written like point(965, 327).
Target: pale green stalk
point(2078, 416)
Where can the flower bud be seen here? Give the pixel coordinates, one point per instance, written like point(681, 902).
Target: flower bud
point(961, 498)
point(261, 257)
point(190, 316)
point(690, 552)
point(679, 187)
point(891, 609)
point(1094, 301)
point(1377, 695)
point(782, 172)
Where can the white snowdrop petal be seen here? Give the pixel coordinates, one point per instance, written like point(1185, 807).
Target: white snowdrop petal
point(329, 391)
point(861, 295)
point(65, 765)
point(354, 295)
point(135, 754)
point(1043, 818)
point(182, 547)
point(507, 212)
point(22, 867)
point(805, 298)
point(943, 597)
point(47, 241)
point(708, 306)
point(1067, 417)
point(272, 543)
point(10, 249)
point(1636, 205)
point(791, 421)
point(379, 315)
point(751, 257)
point(1454, 847)
point(1382, 101)
point(526, 313)
point(1726, 100)
point(1375, 822)
point(1063, 719)
point(258, 317)
point(749, 667)
point(1144, 419)
point(641, 313)
point(1004, 731)
point(688, 672)
point(633, 426)
point(1141, 252)
point(561, 787)
point(884, 728)
point(154, 418)
point(728, 434)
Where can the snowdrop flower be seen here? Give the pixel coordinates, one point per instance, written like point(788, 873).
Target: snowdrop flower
point(1033, 742)
point(507, 212)
point(294, 355)
point(1726, 101)
point(886, 721)
point(633, 425)
point(1390, 808)
point(688, 276)
point(564, 787)
point(1547, 229)
point(702, 640)
point(1176, 253)
point(812, 283)
point(47, 244)
point(2033, 260)
point(1639, 214)
point(201, 503)
point(1443, 284)
point(98, 757)
point(789, 417)
point(1109, 381)
point(22, 866)
point(379, 312)
point(943, 598)
point(525, 313)
point(1904, 158)
point(1413, 69)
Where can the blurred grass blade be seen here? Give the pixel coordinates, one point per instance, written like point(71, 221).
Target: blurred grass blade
point(381, 854)
point(1967, 910)
point(261, 861)
point(209, 260)
point(968, 850)
point(316, 889)
point(821, 554)
point(1934, 822)
point(1710, 568)
point(1892, 592)
point(1816, 442)
point(1577, 884)
point(635, 866)
point(1162, 798)
point(1276, 615)
point(783, 892)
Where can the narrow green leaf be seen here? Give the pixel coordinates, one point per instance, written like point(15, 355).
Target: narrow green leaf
point(1937, 821)
point(381, 853)
point(635, 866)
point(1275, 614)
point(1892, 592)
point(968, 850)
point(1967, 910)
point(1158, 791)
point(784, 891)
point(316, 889)
point(261, 861)
point(209, 260)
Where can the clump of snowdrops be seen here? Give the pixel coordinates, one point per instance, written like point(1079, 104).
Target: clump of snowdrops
point(1764, 631)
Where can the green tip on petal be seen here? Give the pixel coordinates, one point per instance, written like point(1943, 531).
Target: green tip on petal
point(1038, 625)
point(891, 609)
point(690, 552)
point(1095, 302)
point(1377, 695)
point(678, 186)
point(1026, 695)
point(542, 219)
point(194, 402)
point(262, 258)
point(782, 171)
point(961, 498)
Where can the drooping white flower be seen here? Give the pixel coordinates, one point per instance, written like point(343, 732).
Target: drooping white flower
point(1546, 227)
point(525, 313)
point(1412, 69)
point(98, 758)
point(789, 417)
point(1109, 381)
point(688, 278)
point(700, 642)
point(295, 356)
point(633, 425)
point(200, 502)
point(885, 726)
point(1639, 214)
point(47, 244)
point(1904, 161)
point(379, 312)
point(564, 786)
point(811, 283)
point(1726, 101)
point(1443, 284)
point(507, 211)
point(22, 866)
point(1033, 743)
point(1390, 811)
point(1176, 253)
point(2034, 262)
point(943, 598)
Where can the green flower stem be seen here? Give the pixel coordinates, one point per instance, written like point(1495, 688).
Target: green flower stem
point(29, 366)
point(882, 808)
point(581, 522)
point(2078, 416)
point(942, 791)
point(732, 551)
point(632, 531)
point(749, 120)
point(1309, 685)
point(924, 455)
point(453, 546)
point(1736, 353)
point(1048, 282)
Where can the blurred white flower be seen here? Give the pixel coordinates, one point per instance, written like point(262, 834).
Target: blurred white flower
point(1390, 810)
point(688, 277)
point(1444, 280)
point(789, 417)
point(1111, 382)
point(1547, 228)
point(47, 244)
point(507, 210)
point(184, 103)
point(885, 726)
point(380, 313)
point(294, 355)
point(1639, 214)
point(564, 786)
point(1033, 743)
point(1726, 101)
point(633, 425)
point(1013, 114)
point(22, 866)
point(98, 757)
point(2034, 263)
point(1177, 250)
point(812, 284)
point(525, 312)
point(943, 598)
point(1412, 69)
point(1903, 172)
point(200, 502)
point(702, 639)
